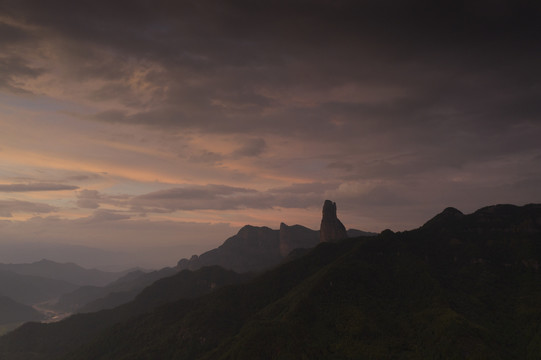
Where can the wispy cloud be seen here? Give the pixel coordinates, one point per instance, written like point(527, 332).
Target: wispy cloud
point(36, 187)
point(8, 207)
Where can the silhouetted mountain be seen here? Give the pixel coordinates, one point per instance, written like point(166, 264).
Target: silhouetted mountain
point(69, 272)
point(468, 287)
point(260, 248)
point(15, 312)
point(296, 237)
point(123, 290)
point(29, 289)
point(252, 249)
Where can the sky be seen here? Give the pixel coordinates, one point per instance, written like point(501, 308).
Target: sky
point(159, 128)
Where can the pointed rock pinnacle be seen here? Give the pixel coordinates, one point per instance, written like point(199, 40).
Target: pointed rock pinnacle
point(331, 228)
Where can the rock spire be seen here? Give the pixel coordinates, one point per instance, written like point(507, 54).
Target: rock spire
point(331, 228)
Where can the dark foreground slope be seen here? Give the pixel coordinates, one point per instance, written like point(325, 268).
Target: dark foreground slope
point(120, 291)
point(51, 341)
point(461, 286)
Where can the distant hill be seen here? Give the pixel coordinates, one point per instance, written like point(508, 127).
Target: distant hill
point(69, 272)
point(253, 248)
point(461, 286)
point(123, 290)
point(15, 312)
point(50, 341)
point(29, 290)
point(18, 252)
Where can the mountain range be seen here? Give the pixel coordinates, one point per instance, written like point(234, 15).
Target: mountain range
point(461, 286)
point(68, 272)
point(120, 291)
point(254, 248)
point(15, 312)
point(31, 289)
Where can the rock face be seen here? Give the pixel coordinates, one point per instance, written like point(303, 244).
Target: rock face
point(295, 237)
point(331, 228)
point(252, 249)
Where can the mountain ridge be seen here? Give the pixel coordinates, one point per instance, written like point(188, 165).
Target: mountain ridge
point(12, 311)
point(255, 249)
point(464, 288)
point(31, 289)
point(69, 272)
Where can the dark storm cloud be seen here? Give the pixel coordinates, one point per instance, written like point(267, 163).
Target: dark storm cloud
point(11, 34)
point(301, 195)
point(398, 91)
point(251, 147)
point(8, 207)
point(209, 197)
point(12, 68)
point(221, 197)
point(198, 197)
point(224, 62)
point(305, 188)
point(36, 187)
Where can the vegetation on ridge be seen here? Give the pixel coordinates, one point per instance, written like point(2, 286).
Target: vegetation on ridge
point(462, 286)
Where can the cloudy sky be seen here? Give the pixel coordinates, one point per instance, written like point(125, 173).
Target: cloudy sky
point(160, 125)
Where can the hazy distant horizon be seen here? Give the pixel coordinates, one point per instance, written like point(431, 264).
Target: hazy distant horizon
point(94, 258)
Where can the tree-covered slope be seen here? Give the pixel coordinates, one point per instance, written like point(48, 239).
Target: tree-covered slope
point(461, 286)
point(120, 291)
point(50, 341)
point(467, 288)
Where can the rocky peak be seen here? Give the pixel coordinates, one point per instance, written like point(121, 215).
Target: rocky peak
point(331, 228)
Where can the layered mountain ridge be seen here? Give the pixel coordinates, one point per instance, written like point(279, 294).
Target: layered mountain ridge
point(460, 286)
point(68, 272)
point(252, 249)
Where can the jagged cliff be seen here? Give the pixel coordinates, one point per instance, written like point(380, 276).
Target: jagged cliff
point(295, 237)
